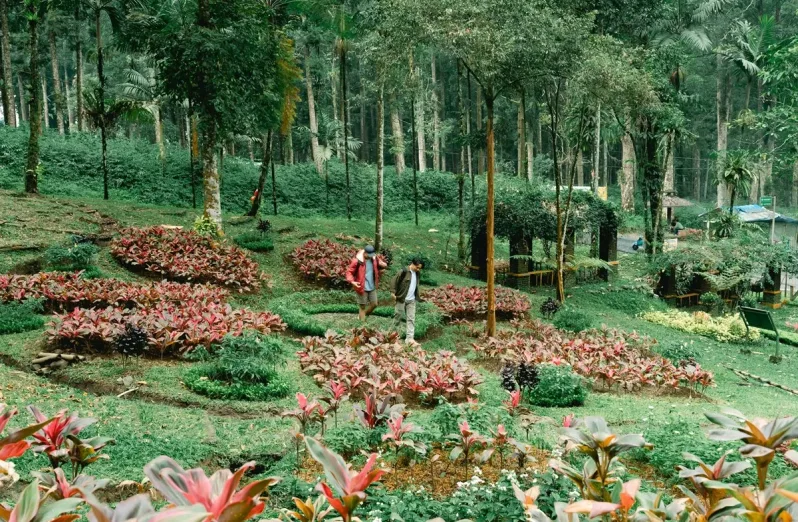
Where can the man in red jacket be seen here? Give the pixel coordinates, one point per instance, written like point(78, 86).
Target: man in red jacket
point(364, 276)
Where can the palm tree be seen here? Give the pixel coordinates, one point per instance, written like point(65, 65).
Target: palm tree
point(141, 86)
point(737, 174)
point(746, 49)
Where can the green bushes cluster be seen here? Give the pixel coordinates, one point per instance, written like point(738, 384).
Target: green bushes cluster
point(20, 317)
point(254, 241)
point(71, 168)
point(70, 258)
point(558, 387)
point(244, 368)
point(572, 320)
point(299, 311)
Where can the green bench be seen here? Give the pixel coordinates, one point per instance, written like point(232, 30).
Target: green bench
point(763, 320)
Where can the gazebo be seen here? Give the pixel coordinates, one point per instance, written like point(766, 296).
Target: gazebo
point(670, 202)
point(525, 214)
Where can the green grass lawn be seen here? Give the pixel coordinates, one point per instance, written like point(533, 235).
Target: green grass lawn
point(163, 417)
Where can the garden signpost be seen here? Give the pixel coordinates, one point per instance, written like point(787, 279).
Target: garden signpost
point(770, 201)
point(763, 320)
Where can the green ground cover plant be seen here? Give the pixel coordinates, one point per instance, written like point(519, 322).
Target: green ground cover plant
point(20, 317)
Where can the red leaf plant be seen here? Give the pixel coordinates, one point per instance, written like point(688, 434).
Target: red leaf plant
point(346, 489)
point(53, 439)
point(13, 445)
point(305, 411)
point(458, 302)
point(612, 359)
point(186, 256)
point(513, 403)
point(413, 374)
point(323, 261)
point(218, 495)
point(336, 395)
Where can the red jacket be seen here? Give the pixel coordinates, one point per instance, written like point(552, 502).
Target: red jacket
point(356, 272)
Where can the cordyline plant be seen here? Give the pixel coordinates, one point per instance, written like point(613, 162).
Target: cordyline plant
point(59, 440)
point(500, 443)
point(32, 507)
point(56, 486)
point(513, 403)
point(139, 509)
point(397, 431)
point(336, 395)
point(218, 495)
point(603, 448)
point(761, 437)
point(305, 411)
point(309, 510)
point(702, 478)
point(376, 411)
point(346, 489)
point(13, 445)
point(466, 442)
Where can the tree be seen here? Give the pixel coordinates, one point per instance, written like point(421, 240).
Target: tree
point(9, 110)
point(221, 55)
point(33, 14)
point(52, 21)
point(736, 174)
point(499, 53)
point(141, 86)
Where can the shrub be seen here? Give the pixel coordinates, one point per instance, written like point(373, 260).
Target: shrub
point(300, 311)
point(549, 308)
point(558, 387)
point(572, 320)
point(678, 352)
point(725, 329)
point(211, 381)
point(750, 300)
point(323, 261)
point(254, 241)
point(20, 317)
point(205, 226)
point(186, 256)
point(173, 328)
point(412, 373)
point(78, 256)
point(457, 302)
point(66, 291)
point(612, 358)
point(347, 439)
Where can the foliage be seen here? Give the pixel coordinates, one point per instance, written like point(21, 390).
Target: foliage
point(218, 495)
point(300, 310)
point(323, 261)
point(132, 342)
point(254, 241)
point(346, 489)
point(245, 368)
point(204, 226)
point(610, 358)
point(186, 256)
point(724, 329)
point(63, 292)
point(13, 444)
point(72, 258)
point(549, 308)
point(457, 302)
point(710, 299)
point(20, 317)
point(347, 439)
point(365, 355)
point(558, 387)
point(172, 328)
point(677, 352)
point(572, 320)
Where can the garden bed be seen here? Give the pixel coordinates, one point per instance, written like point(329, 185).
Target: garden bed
point(316, 312)
point(459, 302)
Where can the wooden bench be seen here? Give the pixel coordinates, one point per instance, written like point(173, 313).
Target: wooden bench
point(681, 298)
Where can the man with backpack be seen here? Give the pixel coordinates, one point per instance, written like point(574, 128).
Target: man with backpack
point(363, 274)
point(404, 288)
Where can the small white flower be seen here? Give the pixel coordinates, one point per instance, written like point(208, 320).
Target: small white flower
point(477, 471)
point(676, 433)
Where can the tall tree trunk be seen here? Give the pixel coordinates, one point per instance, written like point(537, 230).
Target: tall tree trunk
point(59, 98)
point(605, 174)
point(289, 146)
point(468, 137)
point(45, 105)
point(9, 109)
point(212, 201)
point(436, 122)
point(696, 172)
point(397, 137)
point(314, 124)
point(31, 166)
point(158, 124)
point(463, 113)
point(378, 222)
point(670, 172)
point(491, 323)
point(266, 160)
point(421, 147)
point(521, 148)
point(251, 151)
point(654, 181)
point(594, 175)
point(415, 161)
point(334, 86)
point(481, 152)
point(629, 167)
point(79, 68)
point(101, 96)
point(23, 99)
point(794, 191)
point(274, 190)
point(722, 107)
point(69, 108)
point(345, 113)
point(442, 118)
point(364, 139)
point(195, 156)
point(580, 168)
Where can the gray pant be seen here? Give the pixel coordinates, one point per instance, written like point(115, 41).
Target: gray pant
point(406, 311)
